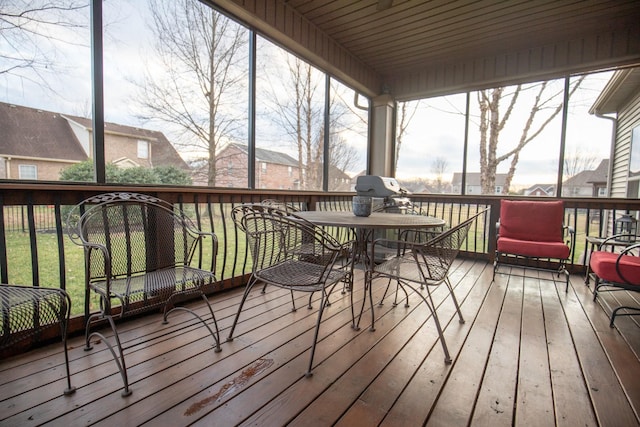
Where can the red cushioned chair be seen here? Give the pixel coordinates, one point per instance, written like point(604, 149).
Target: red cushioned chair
point(616, 271)
point(533, 231)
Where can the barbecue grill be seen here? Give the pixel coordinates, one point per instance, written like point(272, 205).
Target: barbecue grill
point(386, 196)
point(385, 192)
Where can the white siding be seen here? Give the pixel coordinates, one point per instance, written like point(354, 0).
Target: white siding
point(628, 118)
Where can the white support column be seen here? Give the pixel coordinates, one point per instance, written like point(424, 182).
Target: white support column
point(382, 149)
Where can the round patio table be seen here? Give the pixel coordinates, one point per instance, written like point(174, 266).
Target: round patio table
point(363, 226)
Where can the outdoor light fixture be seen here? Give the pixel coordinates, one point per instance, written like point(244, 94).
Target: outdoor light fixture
point(626, 225)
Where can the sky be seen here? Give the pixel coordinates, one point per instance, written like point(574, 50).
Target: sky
point(437, 131)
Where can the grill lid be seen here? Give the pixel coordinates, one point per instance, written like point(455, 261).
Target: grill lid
point(378, 186)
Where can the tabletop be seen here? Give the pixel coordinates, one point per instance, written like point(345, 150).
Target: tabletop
point(375, 220)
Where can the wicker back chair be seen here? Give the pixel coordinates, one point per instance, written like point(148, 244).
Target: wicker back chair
point(139, 250)
point(290, 253)
point(424, 263)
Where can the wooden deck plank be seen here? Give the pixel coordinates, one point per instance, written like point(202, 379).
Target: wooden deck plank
point(461, 386)
point(338, 355)
point(248, 347)
point(619, 344)
point(534, 404)
point(601, 379)
point(571, 397)
point(427, 375)
point(416, 330)
point(494, 404)
point(549, 356)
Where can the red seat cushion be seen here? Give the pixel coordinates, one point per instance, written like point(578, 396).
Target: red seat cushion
point(531, 220)
point(603, 264)
point(533, 249)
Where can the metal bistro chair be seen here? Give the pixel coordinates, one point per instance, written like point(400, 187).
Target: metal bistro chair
point(423, 263)
point(138, 250)
point(290, 253)
point(29, 310)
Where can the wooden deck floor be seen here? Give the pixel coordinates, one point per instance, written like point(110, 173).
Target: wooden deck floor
point(529, 354)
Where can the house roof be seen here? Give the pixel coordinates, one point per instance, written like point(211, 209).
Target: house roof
point(601, 173)
point(548, 189)
point(622, 86)
point(29, 132)
point(598, 175)
point(267, 156)
point(162, 152)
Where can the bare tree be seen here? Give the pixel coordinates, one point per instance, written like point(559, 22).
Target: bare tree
point(30, 31)
point(298, 110)
point(493, 119)
point(406, 114)
point(439, 166)
point(579, 160)
point(202, 77)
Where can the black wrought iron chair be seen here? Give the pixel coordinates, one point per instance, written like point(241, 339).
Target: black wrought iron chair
point(279, 204)
point(617, 271)
point(290, 253)
point(425, 264)
point(139, 251)
point(28, 311)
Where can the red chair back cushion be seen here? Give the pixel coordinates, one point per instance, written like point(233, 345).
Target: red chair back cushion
point(531, 220)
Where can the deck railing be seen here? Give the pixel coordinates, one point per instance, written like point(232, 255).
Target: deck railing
point(36, 251)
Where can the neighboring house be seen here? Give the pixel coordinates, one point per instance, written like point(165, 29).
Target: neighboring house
point(620, 101)
point(541, 190)
point(274, 170)
point(339, 180)
point(590, 183)
point(599, 178)
point(473, 183)
point(37, 144)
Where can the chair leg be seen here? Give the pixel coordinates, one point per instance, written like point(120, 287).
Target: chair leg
point(615, 313)
point(323, 298)
point(455, 300)
point(118, 358)
point(384, 295)
point(432, 307)
point(250, 284)
point(596, 285)
point(215, 335)
point(495, 266)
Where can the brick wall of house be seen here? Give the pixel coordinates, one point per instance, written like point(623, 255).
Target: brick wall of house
point(46, 170)
point(231, 165)
point(118, 146)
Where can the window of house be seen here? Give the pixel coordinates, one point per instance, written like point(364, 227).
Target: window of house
point(290, 171)
point(230, 168)
point(27, 172)
point(143, 149)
